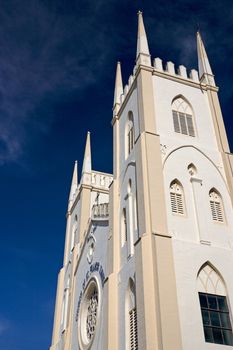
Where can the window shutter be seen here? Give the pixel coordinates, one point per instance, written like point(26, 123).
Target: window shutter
point(133, 329)
point(213, 211)
point(183, 124)
point(173, 202)
point(176, 121)
point(219, 211)
point(190, 125)
point(177, 204)
point(216, 207)
point(179, 200)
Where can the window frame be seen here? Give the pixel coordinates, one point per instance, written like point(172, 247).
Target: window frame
point(124, 228)
point(182, 122)
point(129, 134)
point(177, 200)
point(217, 211)
point(212, 312)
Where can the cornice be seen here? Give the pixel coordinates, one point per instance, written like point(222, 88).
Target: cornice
point(180, 79)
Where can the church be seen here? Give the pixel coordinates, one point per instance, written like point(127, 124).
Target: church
point(148, 257)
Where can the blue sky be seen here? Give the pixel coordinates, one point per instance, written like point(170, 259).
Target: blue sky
point(57, 67)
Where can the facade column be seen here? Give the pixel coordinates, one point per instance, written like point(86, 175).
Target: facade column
point(159, 327)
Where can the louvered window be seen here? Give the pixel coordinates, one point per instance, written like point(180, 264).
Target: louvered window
point(216, 206)
point(133, 329)
point(177, 198)
point(183, 123)
point(182, 117)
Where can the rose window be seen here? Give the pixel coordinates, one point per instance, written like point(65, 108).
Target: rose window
point(89, 314)
point(92, 314)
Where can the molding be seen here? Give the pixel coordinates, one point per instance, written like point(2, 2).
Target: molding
point(202, 241)
point(163, 74)
point(88, 187)
point(161, 235)
point(197, 149)
point(131, 89)
point(129, 93)
point(82, 245)
point(195, 179)
point(189, 82)
point(137, 241)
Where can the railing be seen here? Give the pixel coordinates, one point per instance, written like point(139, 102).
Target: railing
point(100, 211)
point(101, 180)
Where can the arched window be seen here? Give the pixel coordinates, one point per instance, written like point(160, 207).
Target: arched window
point(123, 227)
point(216, 206)
point(214, 307)
point(129, 134)
point(177, 198)
point(73, 233)
point(65, 305)
point(130, 223)
point(131, 317)
point(183, 117)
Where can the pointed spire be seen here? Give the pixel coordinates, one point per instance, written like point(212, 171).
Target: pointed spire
point(74, 183)
point(87, 156)
point(205, 71)
point(118, 85)
point(143, 54)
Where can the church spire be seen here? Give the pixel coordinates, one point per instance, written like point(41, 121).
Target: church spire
point(87, 156)
point(74, 183)
point(143, 54)
point(205, 71)
point(118, 87)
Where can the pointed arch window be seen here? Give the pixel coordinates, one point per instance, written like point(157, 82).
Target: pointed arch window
point(73, 233)
point(124, 235)
point(177, 198)
point(183, 117)
point(129, 134)
point(214, 307)
point(65, 305)
point(131, 318)
point(216, 206)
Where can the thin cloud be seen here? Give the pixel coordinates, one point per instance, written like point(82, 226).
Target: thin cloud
point(4, 326)
point(43, 52)
point(52, 49)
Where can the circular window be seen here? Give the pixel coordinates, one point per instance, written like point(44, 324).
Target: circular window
point(89, 314)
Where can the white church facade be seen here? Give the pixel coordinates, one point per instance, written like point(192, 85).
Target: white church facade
point(148, 259)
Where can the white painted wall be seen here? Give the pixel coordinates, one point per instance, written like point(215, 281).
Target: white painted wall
point(197, 221)
point(165, 91)
point(189, 257)
point(132, 105)
point(100, 233)
point(196, 226)
point(127, 272)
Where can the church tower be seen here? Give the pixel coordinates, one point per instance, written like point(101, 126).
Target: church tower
point(149, 250)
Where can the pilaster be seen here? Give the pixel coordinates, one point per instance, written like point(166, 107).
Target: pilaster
point(221, 138)
point(113, 269)
point(67, 239)
point(156, 293)
point(85, 203)
point(58, 306)
point(219, 127)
